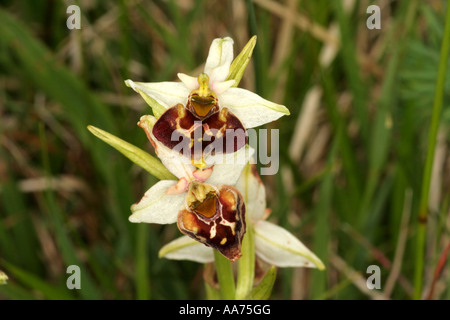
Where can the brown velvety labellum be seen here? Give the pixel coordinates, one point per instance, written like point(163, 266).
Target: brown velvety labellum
point(179, 130)
point(222, 229)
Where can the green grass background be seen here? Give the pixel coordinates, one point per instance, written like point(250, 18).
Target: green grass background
point(351, 165)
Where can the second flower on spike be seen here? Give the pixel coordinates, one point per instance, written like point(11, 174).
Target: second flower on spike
point(215, 217)
point(203, 202)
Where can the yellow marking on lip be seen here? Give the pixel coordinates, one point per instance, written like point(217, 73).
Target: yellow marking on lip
point(180, 110)
point(232, 225)
point(203, 99)
point(223, 115)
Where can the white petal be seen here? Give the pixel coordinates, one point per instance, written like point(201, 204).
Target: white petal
point(254, 193)
point(219, 59)
point(167, 93)
point(186, 248)
point(221, 87)
point(250, 108)
point(191, 83)
point(156, 206)
point(176, 163)
point(279, 247)
point(228, 167)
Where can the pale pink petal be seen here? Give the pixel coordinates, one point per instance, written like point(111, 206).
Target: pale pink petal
point(180, 187)
point(203, 175)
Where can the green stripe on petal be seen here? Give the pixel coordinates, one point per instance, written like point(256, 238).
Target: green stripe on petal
point(250, 108)
point(135, 154)
point(157, 108)
point(186, 248)
point(279, 247)
point(219, 59)
point(240, 63)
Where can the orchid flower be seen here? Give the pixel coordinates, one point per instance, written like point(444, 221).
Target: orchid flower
point(273, 244)
point(203, 202)
point(214, 200)
point(214, 107)
point(251, 109)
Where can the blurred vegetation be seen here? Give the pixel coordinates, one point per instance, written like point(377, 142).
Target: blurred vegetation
point(352, 151)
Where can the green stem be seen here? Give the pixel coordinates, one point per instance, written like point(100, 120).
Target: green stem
point(246, 266)
point(225, 276)
point(435, 120)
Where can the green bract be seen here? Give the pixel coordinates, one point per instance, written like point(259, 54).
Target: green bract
point(135, 154)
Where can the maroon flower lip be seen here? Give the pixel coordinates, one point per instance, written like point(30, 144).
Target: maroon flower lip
point(217, 220)
point(198, 131)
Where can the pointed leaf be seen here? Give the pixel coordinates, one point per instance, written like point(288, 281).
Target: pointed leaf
point(240, 63)
point(35, 283)
point(135, 154)
point(263, 290)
